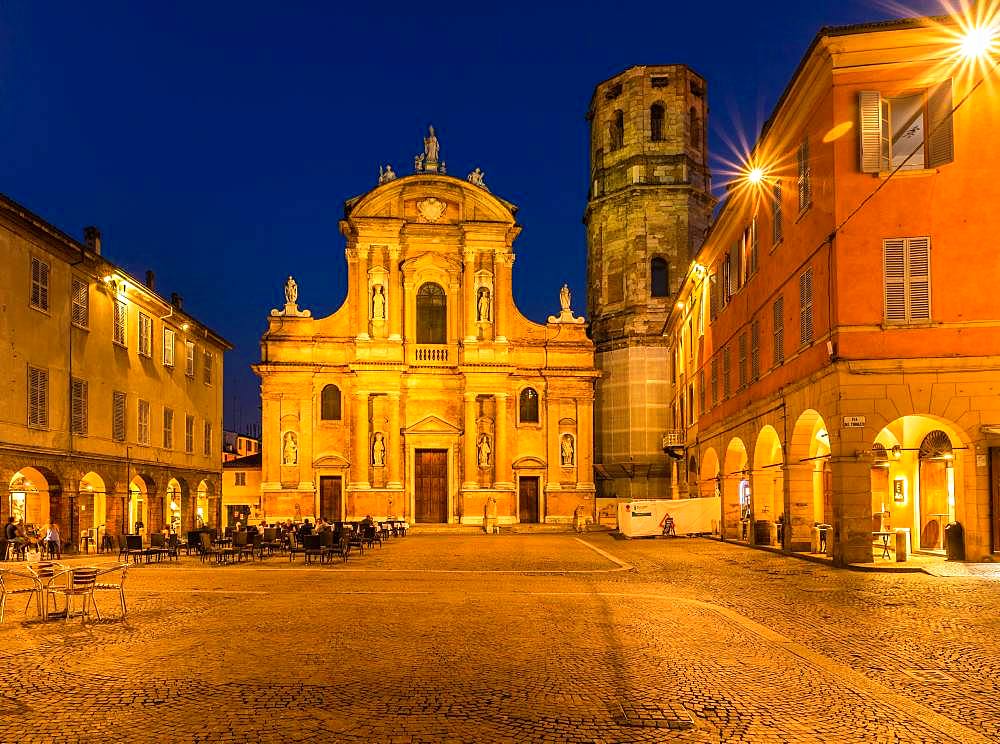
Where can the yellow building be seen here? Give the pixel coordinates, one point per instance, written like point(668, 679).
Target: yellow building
point(111, 395)
point(241, 490)
point(427, 395)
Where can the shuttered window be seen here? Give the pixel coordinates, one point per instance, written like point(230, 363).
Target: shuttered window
point(208, 438)
point(755, 351)
point(778, 312)
point(168, 428)
point(777, 228)
point(907, 266)
point(241, 479)
point(145, 335)
point(743, 360)
point(121, 323)
point(701, 391)
point(189, 434)
point(39, 297)
point(142, 430)
point(727, 280)
point(81, 304)
point(207, 368)
point(806, 307)
point(78, 406)
point(754, 245)
point(189, 358)
point(38, 398)
point(713, 296)
point(804, 181)
point(169, 343)
point(715, 380)
point(118, 416)
point(726, 372)
point(907, 132)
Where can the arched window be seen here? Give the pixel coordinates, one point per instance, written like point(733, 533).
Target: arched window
point(330, 403)
point(656, 122)
point(695, 126)
point(659, 284)
point(617, 130)
point(528, 406)
point(432, 315)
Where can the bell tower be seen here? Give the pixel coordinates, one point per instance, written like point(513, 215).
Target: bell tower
point(648, 209)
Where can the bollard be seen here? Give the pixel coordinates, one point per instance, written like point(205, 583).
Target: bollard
point(815, 539)
point(901, 537)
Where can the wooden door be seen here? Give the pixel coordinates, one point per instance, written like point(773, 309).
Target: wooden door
point(330, 497)
point(528, 499)
point(431, 486)
point(995, 491)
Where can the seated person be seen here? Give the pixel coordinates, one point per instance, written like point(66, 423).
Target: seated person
point(306, 528)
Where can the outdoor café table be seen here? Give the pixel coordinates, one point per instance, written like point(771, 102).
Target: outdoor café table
point(884, 537)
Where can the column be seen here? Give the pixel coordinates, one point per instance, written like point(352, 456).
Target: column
point(585, 443)
point(798, 497)
point(504, 479)
point(353, 287)
point(395, 296)
point(359, 463)
point(364, 301)
point(852, 511)
point(468, 295)
point(469, 446)
point(394, 447)
point(503, 297)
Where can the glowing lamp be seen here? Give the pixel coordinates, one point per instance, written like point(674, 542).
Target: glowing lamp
point(977, 42)
point(185, 326)
point(679, 305)
point(755, 175)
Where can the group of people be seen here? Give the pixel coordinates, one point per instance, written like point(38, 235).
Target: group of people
point(17, 534)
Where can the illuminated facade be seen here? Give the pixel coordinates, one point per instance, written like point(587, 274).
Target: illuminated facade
point(834, 350)
point(112, 395)
point(648, 209)
point(427, 395)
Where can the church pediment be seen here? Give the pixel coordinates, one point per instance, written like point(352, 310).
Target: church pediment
point(332, 460)
point(432, 425)
point(431, 260)
point(528, 462)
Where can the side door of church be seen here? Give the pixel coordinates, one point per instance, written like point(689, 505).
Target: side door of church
point(331, 497)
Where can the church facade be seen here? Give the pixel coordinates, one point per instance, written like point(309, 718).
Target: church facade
point(427, 396)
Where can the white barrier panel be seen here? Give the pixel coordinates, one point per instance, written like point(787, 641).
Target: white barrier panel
point(691, 516)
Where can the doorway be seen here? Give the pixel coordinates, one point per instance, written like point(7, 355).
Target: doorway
point(527, 488)
point(431, 486)
point(330, 497)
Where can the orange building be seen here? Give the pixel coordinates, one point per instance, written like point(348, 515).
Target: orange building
point(835, 344)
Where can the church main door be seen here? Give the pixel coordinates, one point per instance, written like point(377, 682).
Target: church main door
point(528, 499)
point(330, 497)
point(431, 486)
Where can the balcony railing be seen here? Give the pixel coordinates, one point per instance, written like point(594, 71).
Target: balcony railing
point(431, 354)
point(673, 438)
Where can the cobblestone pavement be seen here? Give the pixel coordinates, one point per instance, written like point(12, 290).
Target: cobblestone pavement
point(511, 639)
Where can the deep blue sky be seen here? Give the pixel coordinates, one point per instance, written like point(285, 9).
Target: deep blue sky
point(216, 142)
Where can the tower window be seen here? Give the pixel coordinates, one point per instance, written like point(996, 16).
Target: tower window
point(659, 284)
point(656, 122)
point(432, 315)
point(695, 125)
point(617, 130)
point(659, 81)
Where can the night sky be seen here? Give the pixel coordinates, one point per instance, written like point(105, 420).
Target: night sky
point(215, 143)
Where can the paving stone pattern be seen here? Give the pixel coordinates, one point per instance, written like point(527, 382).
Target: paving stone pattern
point(511, 639)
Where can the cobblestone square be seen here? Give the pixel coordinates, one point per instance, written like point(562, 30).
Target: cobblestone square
point(515, 638)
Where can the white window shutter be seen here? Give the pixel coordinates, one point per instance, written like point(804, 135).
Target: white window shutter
point(941, 136)
point(918, 278)
point(894, 263)
point(870, 128)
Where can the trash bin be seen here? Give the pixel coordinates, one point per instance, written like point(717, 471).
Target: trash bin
point(954, 540)
point(762, 532)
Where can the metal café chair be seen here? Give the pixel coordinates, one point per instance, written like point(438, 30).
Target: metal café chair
point(106, 584)
point(80, 582)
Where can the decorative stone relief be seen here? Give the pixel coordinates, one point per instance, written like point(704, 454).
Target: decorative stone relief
point(290, 448)
point(431, 208)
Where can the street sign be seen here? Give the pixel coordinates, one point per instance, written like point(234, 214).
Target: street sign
point(855, 422)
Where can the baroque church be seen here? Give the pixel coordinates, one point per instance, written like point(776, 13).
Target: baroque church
point(427, 396)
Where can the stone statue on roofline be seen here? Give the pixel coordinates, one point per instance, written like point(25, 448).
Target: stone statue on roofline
point(291, 308)
point(427, 161)
point(477, 178)
point(565, 314)
point(385, 175)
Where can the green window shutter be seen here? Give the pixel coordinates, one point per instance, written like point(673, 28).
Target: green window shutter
point(941, 136)
point(870, 129)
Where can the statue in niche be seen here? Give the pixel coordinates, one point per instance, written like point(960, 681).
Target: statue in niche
point(483, 451)
point(386, 175)
point(378, 302)
point(483, 305)
point(290, 449)
point(564, 297)
point(566, 450)
point(378, 450)
point(291, 291)
point(431, 147)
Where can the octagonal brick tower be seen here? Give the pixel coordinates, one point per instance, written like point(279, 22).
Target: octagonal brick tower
point(649, 206)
